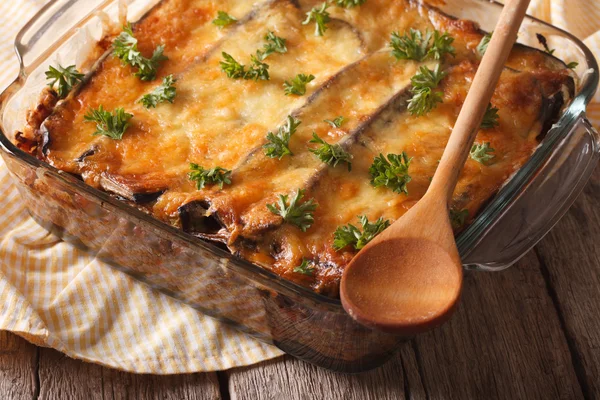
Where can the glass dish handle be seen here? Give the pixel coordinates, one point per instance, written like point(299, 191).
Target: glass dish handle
point(56, 20)
point(541, 203)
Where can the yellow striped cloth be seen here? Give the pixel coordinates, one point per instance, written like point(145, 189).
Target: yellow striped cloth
point(55, 295)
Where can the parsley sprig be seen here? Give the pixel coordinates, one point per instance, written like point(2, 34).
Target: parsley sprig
point(425, 98)
point(544, 42)
point(275, 44)
point(336, 123)
point(417, 46)
point(490, 118)
point(165, 92)
point(125, 48)
point(296, 213)
point(349, 3)
point(235, 70)
point(214, 176)
point(350, 235)
point(320, 17)
point(63, 79)
point(483, 44)
point(330, 154)
point(109, 124)
point(391, 172)
point(298, 85)
point(278, 143)
point(305, 268)
point(458, 218)
point(482, 153)
point(223, 19)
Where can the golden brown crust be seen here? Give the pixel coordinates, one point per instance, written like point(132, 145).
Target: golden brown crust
point(217, 121)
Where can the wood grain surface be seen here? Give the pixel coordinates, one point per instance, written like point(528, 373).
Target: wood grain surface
point(530, 332)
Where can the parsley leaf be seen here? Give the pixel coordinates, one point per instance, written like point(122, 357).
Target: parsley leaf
point(442, 44)
point(330, 154)
point(296, 213)
point(542, 39)
point(483, 44)
point(65, 77)
point(231, 67)
point(235, 70)
point(223, 19)
point(350, 235)
point(305, 268)
point(336, 123)
point(416, 46)
point(164, 93)
point(109, 124)
point(258, 69)
point(216, 176)
point(320, 16)
point(411, 46)
point(278, 143)
point(391, 172)
point(572, 65)
point(482, 153)
point(490, 118)
point(298, 85)
point(423, 84)
point(125, 48)
point(458, 218)
point(275, 44)
point(349, 3)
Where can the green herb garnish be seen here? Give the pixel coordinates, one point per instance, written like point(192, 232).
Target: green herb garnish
point(490, 118)
point(424, 97)
point(336, 123)
point(298, 85)
point(416, 46)
point(391, 172)
point(542, 39)
point(483, 44)
point(458, 218)
point(223, 19)
point(64, 79)
point(275, 44)
point(349, 3)
point(330, 154)
point(320, 17)
point(572, 65)
point(163, 93)
point(350, 235)
point(296, 213)
point(214, 176)
point(305, 268)
point(109, 124)
point(125, 48)
point(278, 143)
point(235, 70)
point(482, 153)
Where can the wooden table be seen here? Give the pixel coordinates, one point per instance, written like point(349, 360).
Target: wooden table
point(531, 332)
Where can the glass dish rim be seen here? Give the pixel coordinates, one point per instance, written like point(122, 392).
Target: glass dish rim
point(466, 240)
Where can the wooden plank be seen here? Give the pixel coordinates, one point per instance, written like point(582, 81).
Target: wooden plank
point(570, 257)
point(63, 377)
point(505, 342)
point(18, 364)
point(291, 379)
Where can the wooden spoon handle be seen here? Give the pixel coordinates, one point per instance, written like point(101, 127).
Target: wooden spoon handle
point(481, 91)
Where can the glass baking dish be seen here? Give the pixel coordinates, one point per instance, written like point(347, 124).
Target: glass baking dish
point(306, 325)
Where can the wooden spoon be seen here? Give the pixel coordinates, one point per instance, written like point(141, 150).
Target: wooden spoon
point(408, 279)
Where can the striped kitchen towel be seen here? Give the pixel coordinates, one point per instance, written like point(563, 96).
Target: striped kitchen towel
point(55, 295)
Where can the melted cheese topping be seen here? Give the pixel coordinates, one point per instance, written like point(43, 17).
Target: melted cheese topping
point(218, 121)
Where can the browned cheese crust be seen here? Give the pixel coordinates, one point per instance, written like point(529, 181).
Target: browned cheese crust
point(218, 121)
